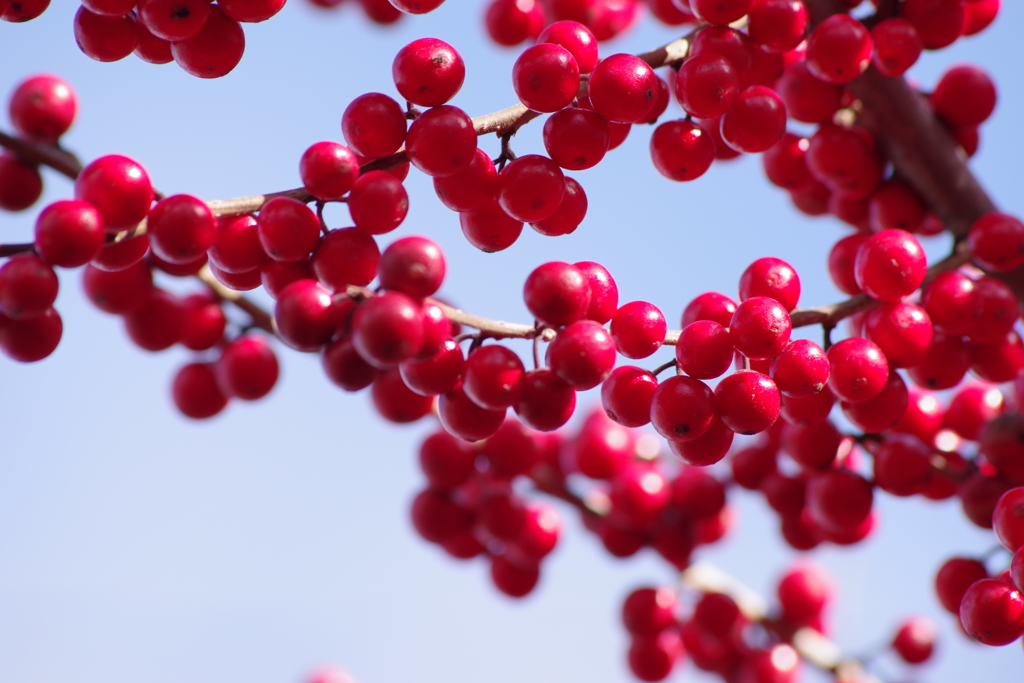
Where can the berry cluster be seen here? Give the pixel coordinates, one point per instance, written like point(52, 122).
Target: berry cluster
point(473, 505)
point(990, 607)
point(737, 369)
point(737, 639)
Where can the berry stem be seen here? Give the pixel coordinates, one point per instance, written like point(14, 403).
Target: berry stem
point(56, 158)
point(260, 318)
point(12, 249)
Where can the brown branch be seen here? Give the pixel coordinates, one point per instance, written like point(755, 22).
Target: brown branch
point(919, 146)
point(12, 249)
point(56, 158)
point(260, 318)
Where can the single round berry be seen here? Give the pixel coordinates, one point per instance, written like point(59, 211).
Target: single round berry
point(756, 122)
point(69, 233)
point(441, 141)
point(428, 72)
point(557, 293)
point(215, 50)
point(682, 408)
point(288, 230)
point(328, 169)
point(747, 402)
point(623, 88)
point(839, 49)
point(119, 188)
point(638, 329)
point(43, 107)
point(374, 125)
point(181, 228)
point(247, 368)
point(546, 77)
point(583, 354)
point(760, 328)
point(890, 265)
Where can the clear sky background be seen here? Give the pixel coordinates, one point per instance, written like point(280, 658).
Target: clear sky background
point(137, 545)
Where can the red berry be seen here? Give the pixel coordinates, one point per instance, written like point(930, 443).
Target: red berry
point(760, 328)
point(196, 393)
point(546, 77)
point(173, 20)
point(247, 368)
point(119, 188)
point(27, 340)
point(489, 228)
point(69, 233)
point(557, 293)
point(43, 107)
point(576, 139)
point(328, 169)
point(105, 39)
point(215, 50)
point(938, 22)
point(682, 408)
point(997, 242)
point(305, 316)
point(120, 292)
point(204, 322)
point(546, 402)
point(159, 324)
point(638, 329)
point(839, 49)
point(623, 88)
point(897, 46)
point(777, 26)
point(681, 150)
point(387, 329)
point(756, 122)
point(251, 10)
point(181, 228)
point(463, 418)
point(583, 354)
point(374, 125)
point(1008, 519)
point(236, 245)
point(288, 230)
point(626, 395)
point(441, 141)
point(346, 256)
point(704, 349)
point(902, 331)
point(801, 370)
point(881, 412)
point(346, 368)
point(428, 72)
point(992, 612)
point(378, 202)
point(576, 38)
point(395, 402)
point(808, 98)
point(707, 86)
point(510, 22)
point(473, 187)
point(773, 278)
point(890, 265)
point(747, 402)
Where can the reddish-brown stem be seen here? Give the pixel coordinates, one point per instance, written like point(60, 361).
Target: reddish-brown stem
point(12, 249)
point(260, 318)
point(56, 158)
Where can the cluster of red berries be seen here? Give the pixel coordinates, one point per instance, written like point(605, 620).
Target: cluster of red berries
point(471, 506)
point(720, 638)
point(990, 608)
point(42, 108)
point(203, 37)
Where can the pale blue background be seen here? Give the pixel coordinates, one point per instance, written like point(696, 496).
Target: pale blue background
point(138, 546)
